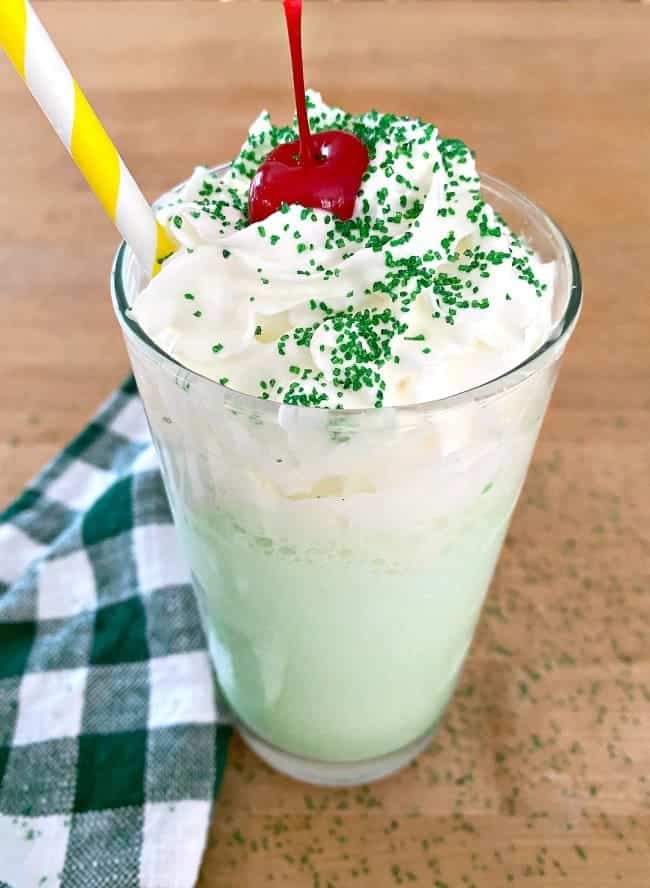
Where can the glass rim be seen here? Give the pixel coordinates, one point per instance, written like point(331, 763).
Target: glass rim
point(558, 336)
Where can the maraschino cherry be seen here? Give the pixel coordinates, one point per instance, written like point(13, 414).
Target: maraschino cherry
point(321, 171)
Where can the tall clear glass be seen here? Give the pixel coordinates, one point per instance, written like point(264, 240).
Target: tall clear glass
point(341, 558)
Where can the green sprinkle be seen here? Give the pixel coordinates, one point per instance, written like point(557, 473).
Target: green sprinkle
point(217, 348)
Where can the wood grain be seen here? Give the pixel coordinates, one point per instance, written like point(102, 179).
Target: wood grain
point(540, 774)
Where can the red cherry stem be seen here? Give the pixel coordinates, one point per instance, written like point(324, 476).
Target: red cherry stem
point(293, 15)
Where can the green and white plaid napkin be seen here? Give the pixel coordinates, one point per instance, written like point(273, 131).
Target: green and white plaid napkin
point(110, 751)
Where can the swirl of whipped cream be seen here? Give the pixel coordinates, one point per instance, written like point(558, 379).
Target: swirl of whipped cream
point(425, 292)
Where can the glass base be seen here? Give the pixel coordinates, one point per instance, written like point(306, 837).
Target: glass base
point(309, 770)
point(333, 773)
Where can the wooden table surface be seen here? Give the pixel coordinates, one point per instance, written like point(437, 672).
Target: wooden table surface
point(540, 773)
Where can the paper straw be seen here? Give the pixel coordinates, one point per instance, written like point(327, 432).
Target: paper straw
point(38, 62)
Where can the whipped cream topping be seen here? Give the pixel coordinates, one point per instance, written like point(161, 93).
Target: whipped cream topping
point(424, 293)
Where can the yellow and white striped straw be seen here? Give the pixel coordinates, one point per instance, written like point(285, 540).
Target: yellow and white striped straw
point(38, 62)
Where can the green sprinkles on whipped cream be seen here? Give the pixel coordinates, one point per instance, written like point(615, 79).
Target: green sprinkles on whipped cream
point(361, 333)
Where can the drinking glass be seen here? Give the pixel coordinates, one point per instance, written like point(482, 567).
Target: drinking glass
point(341, 558)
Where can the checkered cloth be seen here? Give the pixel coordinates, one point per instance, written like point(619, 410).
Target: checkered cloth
point(110, 752)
